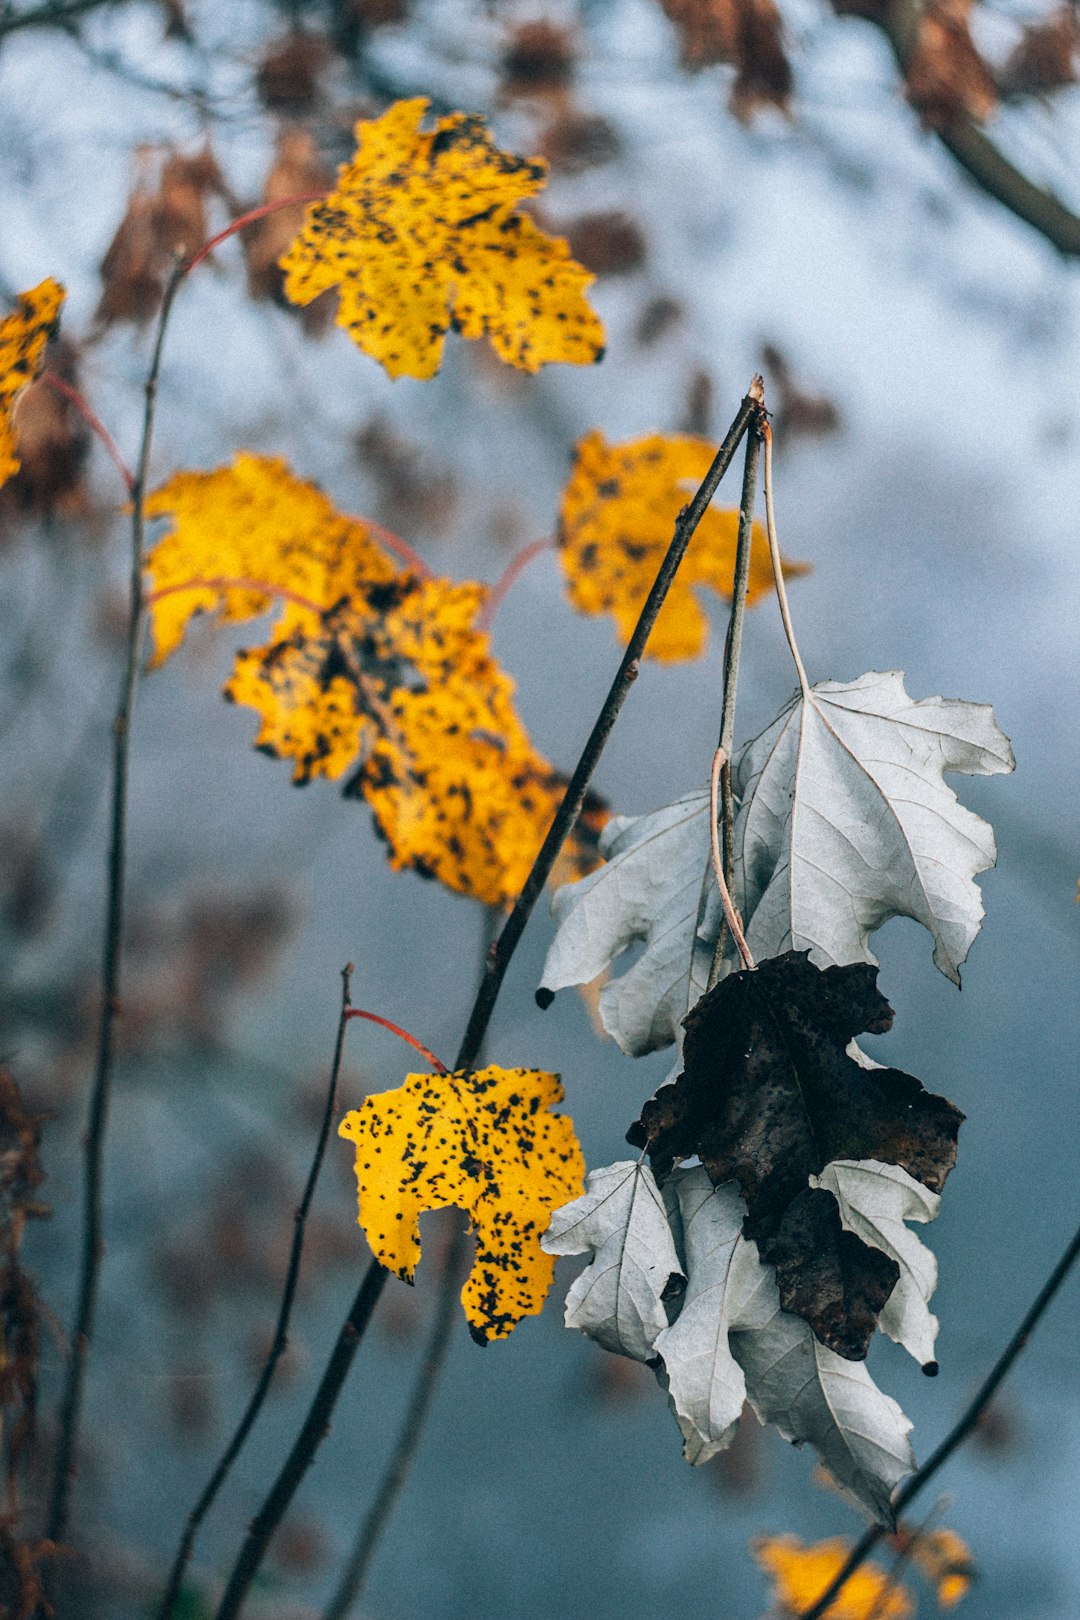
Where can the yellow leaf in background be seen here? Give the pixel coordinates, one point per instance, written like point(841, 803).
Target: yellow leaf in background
point(368, 669)
point(422, 235)
point(800, 1573)
point(487, 1143)
point(23, 337)
point(616, 522)
point(945, 1559)
point(253, 521)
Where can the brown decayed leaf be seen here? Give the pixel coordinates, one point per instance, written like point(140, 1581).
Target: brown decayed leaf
point(946, 78)
point(768, 1097)
point(368, 668)
point(488, 1143)
point(539, 57)
point(796, 412)
point(1045, 57)
point(161, 220)
point(608, 244)
point(616, 520)
point(746, 34)
point(415, 492)
point(423, 235)
point(297, 171)
point(287, 78)
point(801, 1572)
point(24, 335)
point(574, 141)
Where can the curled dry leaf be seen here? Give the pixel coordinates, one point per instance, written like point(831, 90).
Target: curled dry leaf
point(616, 520)
point(297, 171)
point(53, 442)
point(748, 35)
point(801, 1572)
point(423, 235)
point(23, 338)
point(1045, 57)
point(768, 1097)
point(945, 76)
point(368, 668)
point(487, 1143)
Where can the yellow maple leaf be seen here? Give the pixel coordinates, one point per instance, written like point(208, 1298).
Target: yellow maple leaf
point(368, 669)
point(945, 1559)
point(800, 1573)
point(422, 235)
point(487, 1143)
point(616, 520)
point(23, 337)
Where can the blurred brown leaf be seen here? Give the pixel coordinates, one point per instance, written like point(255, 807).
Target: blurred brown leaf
point(538, 58)
point(53, 443)
point(1046, 56)
point(946, 78)
point(608, 244)
point(414, 493)
point(747, 35)
point(796, 412)
point(297, 170)
point(287, 78)
point(574, 141)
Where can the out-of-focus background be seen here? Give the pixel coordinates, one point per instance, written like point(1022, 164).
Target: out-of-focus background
point(753, 192)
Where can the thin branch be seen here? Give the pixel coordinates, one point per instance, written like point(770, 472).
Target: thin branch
point(92, 1240)
point(61, 386)
point(959, 1433)
point(498, 958)
point(777, 564)
point(354, 1575)
point(732, 654)
point(514, 568)
point(49, 16)
point(734, 921)
point(403, 1034)
point(973, 149)
point(281, 1331)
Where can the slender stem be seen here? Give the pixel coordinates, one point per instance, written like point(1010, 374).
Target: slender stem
point(249, 219)
point(777, 564)
point(514, 568)
point(497, 961)
point(396, 1029)
point(61, 386)
point(52, 15)
point(734, 922)
point(733, 652)
point(959, 1433)
point(92, 1240)
point(281, 1331)
point(401, 548)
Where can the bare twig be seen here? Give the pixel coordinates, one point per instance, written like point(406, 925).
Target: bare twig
point(281, 1331)
point(57, 14)
point(733, 651)
point(498, 959)
point(959, 1433)
point(92, 1241)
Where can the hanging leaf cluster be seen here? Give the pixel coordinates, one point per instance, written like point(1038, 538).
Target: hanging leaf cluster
point(371, 672)
point(759, 1270)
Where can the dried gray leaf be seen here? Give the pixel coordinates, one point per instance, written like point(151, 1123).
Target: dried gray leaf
point(810, 1394)
point(618, 1300)
point(845, 821)
point(875, 1200)
point(649, 890)
point(705, 1383)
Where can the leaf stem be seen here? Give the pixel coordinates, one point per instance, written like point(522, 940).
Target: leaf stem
point(249, 218)
point(777, 564)
point(514, 568)
point(60, 385)
point(216, 583)
point(281, 1331)
point(497, 961)
point(396, 1029)
point(94, 1150)
point(733, 920)
point(960, 1431)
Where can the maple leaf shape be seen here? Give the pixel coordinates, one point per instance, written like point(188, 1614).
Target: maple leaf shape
point(368, 668)
point(845, 820)
point(24, 335)
point(800, 1573)
point(768, 1097)
point(619, 1299)
point(487, 1143)
point(422, 235)
point(616, 519)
